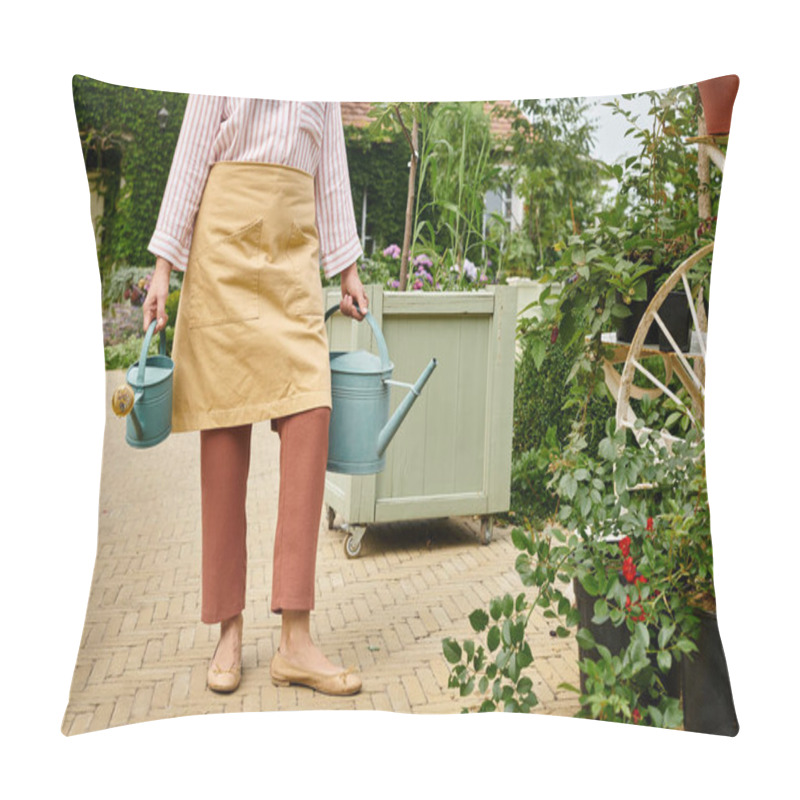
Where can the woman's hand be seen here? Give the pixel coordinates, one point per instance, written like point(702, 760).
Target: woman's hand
point(154, 303)
point(353, 293)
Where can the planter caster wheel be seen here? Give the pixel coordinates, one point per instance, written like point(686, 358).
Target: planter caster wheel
point(352, 544)
point(331, 517)
point(487, 526)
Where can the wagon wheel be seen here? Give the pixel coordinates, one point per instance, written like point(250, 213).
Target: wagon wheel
point(691, 375)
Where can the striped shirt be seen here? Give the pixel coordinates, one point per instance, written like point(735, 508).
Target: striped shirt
point(306, 136)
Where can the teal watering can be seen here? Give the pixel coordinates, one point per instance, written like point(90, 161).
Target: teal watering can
point(147, 398)
point(360, 428)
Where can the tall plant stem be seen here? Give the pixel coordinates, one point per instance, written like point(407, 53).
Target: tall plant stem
point(412, 179)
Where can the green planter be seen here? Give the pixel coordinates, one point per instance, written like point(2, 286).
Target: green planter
point(452, 454)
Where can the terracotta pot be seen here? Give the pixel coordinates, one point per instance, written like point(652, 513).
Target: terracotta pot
point(717, 96)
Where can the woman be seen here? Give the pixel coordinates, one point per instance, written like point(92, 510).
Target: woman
point(258, 190)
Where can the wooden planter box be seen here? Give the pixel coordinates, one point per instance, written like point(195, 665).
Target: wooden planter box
point(452, 454)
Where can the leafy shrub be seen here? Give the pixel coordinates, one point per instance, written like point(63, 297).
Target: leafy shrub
point(127, 352)
point(542, 424)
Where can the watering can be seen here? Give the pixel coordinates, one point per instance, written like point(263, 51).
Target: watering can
point(360, 428)
point(146, 400)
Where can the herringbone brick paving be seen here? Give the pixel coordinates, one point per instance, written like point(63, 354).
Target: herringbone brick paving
point(144, 652)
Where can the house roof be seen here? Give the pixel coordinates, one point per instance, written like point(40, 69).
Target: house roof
point(356, 115)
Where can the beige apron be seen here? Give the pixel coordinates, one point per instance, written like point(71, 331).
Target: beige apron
point(250, 340)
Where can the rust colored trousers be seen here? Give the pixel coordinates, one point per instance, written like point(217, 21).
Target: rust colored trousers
point(224, 469)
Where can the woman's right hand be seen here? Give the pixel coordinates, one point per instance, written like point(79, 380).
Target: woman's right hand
point(155, 302)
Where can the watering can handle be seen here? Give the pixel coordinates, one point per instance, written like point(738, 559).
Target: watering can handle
point(162, 348)
point(382, 348)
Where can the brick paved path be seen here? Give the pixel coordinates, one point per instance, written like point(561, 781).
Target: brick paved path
point(144, 653)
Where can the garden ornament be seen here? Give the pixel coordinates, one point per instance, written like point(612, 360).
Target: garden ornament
point(146, 399)
point(360, 428)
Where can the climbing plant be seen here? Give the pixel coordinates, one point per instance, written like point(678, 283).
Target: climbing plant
point(376, 163)
point(126, 142)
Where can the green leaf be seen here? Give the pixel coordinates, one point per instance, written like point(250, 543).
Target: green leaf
point(493, 638)
point(664, 660)
point(585, 639)
point(469, 649)
point(479, 619)
point(496, 608)
point(452, 650)
point(508, 605)
point(520, 539)
point(664, 635)
point(686, 646)
point(600, 611)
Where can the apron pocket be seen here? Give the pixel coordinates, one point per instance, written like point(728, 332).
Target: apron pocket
point(303, 284)
point(225, 279)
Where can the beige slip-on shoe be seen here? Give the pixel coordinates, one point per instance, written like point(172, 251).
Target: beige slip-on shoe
point(225, 680)
point(283, 673)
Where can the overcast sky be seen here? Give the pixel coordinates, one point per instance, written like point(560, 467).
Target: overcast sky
point(611, 143)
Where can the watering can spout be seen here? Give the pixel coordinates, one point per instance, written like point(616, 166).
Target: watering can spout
point(390, 428)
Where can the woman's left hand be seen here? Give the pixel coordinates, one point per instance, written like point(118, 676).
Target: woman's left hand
point(353, 293)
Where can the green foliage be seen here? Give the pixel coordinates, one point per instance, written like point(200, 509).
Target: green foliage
point(543, 420)
point(123, 141)
point(377, 162)
point(552, 168)
point(494, 668)
point(646, 558)
point(459, 161)
point(122, 354)
point(171, 306)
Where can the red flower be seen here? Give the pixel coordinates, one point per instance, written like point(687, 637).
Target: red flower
point(640, 579)
point(636, 716)
point(554, 334)
point(627, 602)
point(649, 523)
point(629, 569)
point(625, 545)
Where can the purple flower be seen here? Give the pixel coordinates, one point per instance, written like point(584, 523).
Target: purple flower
point(418, 284)
point(422, 261)
point(392, 251)
point(470, 270)
point(393, 284)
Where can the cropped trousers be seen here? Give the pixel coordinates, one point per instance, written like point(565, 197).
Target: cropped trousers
point(224, 470)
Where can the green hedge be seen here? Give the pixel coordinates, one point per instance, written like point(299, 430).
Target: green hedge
point(122, 139)
point(539, 397)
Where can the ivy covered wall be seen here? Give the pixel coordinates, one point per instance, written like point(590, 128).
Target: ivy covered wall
point(380, 165)
point(124, 142)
